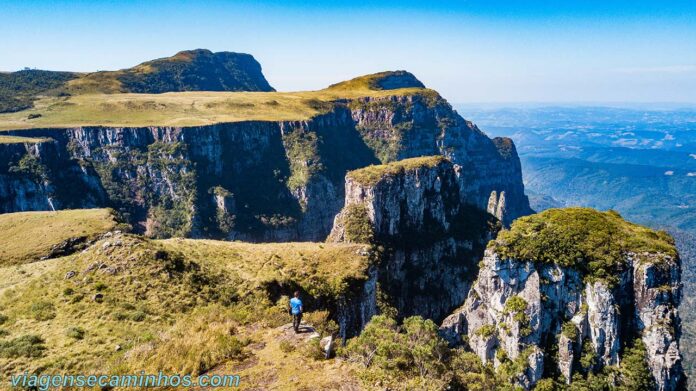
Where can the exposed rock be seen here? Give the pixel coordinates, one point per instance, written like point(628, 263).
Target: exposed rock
point(432, 237)
point(285, 179)
point(515, 304)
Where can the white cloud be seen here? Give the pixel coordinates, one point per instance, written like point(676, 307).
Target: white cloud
point(693, 155)
point(669, 173)
point(691, 174)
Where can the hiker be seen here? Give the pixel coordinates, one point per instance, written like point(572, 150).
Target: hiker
point(296, 311)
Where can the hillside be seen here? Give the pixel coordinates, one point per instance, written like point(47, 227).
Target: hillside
point(205, 108)
point(259, 166)
point(192, 70)
point(126, 304)
point(33, 236)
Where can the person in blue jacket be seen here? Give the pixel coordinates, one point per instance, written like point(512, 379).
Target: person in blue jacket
point(296, 311)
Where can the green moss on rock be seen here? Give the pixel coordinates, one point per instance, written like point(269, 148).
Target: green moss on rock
point(592, 242)
point(371, 175)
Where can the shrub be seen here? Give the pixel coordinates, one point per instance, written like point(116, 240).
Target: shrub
point(570, 331)
point(486, 331)
point(515, 304)
point(286, 347)
point(469, 373)
point(31, 346)
point(357, 224)
point(3, 318)
point(138, 316)
point(312, 350)
point(321, 322)
point(75, 332)
point(43, 310)
point(393, 354)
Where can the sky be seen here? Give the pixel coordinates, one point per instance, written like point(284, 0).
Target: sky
point(469, 50)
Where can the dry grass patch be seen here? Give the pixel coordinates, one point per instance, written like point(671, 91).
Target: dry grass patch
point(323, 270)
point(22, 140)
point(28, 236)
point(193, 108)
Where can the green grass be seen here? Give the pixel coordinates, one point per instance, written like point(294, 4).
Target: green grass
point(175, 305)
point(593, 242)
point(370, 175)
point(28, 236)
point(193, 108)
point(321, 269)
point(22, 140)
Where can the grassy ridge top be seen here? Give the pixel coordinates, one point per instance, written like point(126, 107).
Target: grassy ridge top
point(27, 236)
point(320, 268)
point(593, 242)
point(181, 108)
point(21, 140)
point(370, 175)
point(196, 108)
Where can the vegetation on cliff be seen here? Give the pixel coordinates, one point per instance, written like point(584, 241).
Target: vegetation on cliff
point(371, 175)
point(595, 243)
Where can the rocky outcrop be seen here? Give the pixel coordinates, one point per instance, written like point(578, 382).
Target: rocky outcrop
point(431, 237)
point(424, 125)
point(516, 304)
point(286, 178)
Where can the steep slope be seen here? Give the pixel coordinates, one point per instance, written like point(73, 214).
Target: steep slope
point(431, 236)
point(260, 180)
point(583, 282)
point(127, 304)
point(190, 70)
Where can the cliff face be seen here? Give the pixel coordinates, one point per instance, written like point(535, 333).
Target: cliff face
point(411, 126)
point(262, 180)
point(430, 236)
point(518, 309)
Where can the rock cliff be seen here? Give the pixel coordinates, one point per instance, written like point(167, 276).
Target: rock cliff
point(258, 180)
point(592, 298)
point(431, 237)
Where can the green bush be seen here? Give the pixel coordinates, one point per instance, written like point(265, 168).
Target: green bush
point(570, 331)
point(31, 346)
point(393, 354)
point(75, 332)
point(138, 316)
point(357, 224)
point(286, 347)
point(43, 310)
point(3, 318)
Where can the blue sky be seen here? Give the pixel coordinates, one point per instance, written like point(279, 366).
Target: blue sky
point(470, 51)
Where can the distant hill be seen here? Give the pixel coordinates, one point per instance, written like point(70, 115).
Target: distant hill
point(192, 70)
point(19, 89)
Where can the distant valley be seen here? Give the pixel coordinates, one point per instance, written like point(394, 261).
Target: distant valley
point(639, 161)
